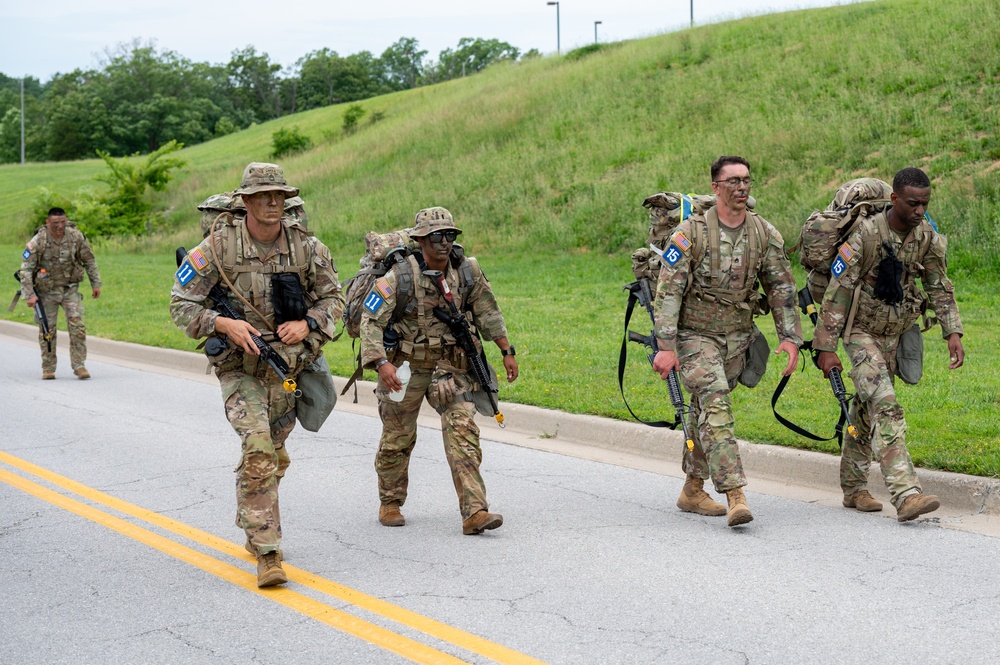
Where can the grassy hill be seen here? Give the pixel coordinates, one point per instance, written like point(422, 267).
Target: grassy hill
point(545, 164)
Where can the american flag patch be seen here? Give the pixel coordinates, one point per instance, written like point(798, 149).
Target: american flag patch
point(382, 286)
point(846, 252)
point(198, 259)
point(681, 241)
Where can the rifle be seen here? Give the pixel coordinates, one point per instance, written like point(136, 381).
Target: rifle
point(43, 322)
point(640, 290)
point(459, 327)
point(215, 346)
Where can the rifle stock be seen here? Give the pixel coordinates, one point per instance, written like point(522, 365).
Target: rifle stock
point(267, 352)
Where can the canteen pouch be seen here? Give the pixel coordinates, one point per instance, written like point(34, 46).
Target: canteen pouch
point(318, 394)
point(755, 365)
point(910, 356)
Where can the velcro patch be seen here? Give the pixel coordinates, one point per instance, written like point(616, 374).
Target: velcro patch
point(27, 253)
point(681, 241)
point(374, 302)
point(382, 286)
point(197, 258)
point(31, 245)
point(838, 267)
point(672, 254)
point(185, 273)
point(847, 252)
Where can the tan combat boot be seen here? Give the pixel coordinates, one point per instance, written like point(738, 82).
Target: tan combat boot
point(389, 515)
point(480, 522)
point(694, 499)
point(48, 376)
point(863, 501)
point(81, 373)
point(269, 570)
point(915, 505)
point(738, 511)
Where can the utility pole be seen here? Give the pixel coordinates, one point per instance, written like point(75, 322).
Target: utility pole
point(558, 45)
point(692, 13)
point(596, 23)
point(22, 121)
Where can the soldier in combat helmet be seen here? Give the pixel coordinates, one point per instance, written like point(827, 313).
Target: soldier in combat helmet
point(52, 266)
point(251, 258)
point(705, 301)
point(439, 369)
point(874, 279)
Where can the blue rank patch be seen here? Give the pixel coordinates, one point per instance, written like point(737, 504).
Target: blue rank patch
point(672, 254)
point(373, 302)
point(27, 253)
point(185, 273)
point(838, 267)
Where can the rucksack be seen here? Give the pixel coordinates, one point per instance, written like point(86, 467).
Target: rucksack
point(828, 229)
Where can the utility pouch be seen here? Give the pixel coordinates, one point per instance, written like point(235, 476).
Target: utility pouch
point(910, 355)
point(318, 394)
point(755, 364)
point(288, 297)
point(219, 350)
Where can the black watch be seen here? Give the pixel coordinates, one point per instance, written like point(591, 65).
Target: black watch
point(311, 322)
point(508, 351)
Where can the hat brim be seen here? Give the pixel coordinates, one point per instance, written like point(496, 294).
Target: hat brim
point(289, 191)
point(414, 234)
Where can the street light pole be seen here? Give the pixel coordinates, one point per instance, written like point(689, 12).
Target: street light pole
point(596, 23)
point(22, 121)
point(558, 45)
point(692, 13)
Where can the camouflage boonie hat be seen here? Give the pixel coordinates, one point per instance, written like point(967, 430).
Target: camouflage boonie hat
point(290, 202)
point(262, 177)
point(430, 220)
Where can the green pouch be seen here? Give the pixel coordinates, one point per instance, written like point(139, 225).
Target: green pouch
point(910, 356)
point(756, 361)
point(318, 394)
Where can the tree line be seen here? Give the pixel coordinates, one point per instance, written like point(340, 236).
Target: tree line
point(142, 98)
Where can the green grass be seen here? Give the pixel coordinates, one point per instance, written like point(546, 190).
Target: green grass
point(545, 164)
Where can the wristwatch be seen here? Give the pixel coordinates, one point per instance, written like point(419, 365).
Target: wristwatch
point(311, 322)
point(508, 351)
point(379, 363)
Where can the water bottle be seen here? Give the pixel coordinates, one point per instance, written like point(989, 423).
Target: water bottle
point(403, 374)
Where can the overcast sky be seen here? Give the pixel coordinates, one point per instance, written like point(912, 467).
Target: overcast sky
point(43, 37)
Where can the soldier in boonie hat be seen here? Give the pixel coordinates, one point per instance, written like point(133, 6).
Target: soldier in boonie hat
point(263, 177)
point(433, 219)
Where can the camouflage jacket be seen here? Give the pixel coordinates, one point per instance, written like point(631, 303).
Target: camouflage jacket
point(64, 262)
point(251, 277)
point(422, 335)
point(687, 299)
point(922, 253)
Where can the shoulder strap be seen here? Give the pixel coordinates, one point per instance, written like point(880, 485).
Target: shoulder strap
point(714, 253)
point(404, 287)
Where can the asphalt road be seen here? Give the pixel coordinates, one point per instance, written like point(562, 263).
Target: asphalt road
point(116, 530)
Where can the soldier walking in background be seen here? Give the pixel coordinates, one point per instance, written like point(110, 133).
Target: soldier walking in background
point(282, 280)
point(440, 370)
point(873, 302)
point(52, 267)
point(705, 301)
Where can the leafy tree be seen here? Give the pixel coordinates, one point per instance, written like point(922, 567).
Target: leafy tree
point(288, 140)
point(255, 83)
point(402, 64)
point(471, 56)
point(128, 209)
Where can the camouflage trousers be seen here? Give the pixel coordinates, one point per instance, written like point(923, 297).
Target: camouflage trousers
point(399, 436)
point(879, 419)
point(257, 410)
point(72, 303)
point(709, 366)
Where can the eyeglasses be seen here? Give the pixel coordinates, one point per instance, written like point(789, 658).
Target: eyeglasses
point(437, 236)
point(735, 182)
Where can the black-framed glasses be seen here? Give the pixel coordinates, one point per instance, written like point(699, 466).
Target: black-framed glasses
point(735, 182)
point(437, 236)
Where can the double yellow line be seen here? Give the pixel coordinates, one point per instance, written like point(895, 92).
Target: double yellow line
point(343, 621)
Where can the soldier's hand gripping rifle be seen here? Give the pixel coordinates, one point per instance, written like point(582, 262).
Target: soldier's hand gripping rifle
point(43, 322)
point(459, 327)
point(641, 291)
point(215, 346)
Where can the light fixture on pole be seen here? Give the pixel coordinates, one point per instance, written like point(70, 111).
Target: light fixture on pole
point(596, 23)
point(558, 45)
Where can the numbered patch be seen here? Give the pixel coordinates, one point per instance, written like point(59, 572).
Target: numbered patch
point(374, 302)
point(27, 253)
point(838, 267)
point(185, 273)
point(672, 254)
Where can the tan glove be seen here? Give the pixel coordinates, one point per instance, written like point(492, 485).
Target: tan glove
point(445, 389)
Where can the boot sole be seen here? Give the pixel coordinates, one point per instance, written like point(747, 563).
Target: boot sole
point(693, 508)
point(489, 525)
point(928, 507)
point(273, 579)
point(871, 509)
point(399, 522)
point(741, 518)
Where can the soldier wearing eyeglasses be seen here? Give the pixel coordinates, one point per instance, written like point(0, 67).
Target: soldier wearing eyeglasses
point(439, 368)
point(706, 299)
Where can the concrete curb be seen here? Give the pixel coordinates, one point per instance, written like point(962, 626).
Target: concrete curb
point(591, 437)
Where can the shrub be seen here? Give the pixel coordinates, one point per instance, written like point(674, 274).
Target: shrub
point(352, 115)
point(288, 140)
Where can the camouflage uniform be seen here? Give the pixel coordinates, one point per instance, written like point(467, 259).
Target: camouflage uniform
point(256, 404)
point(873, 338)
point(57, 267)
point(430, 348)
point(229, 203)
point(712, 327)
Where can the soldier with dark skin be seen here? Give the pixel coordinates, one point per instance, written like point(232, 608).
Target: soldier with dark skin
point(53, 265)
point(439, 369)
point(704, 327)
point(245, 257)
point(854, 309)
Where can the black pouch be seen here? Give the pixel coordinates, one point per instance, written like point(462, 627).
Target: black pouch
point(757, 355)
point(288, 297)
